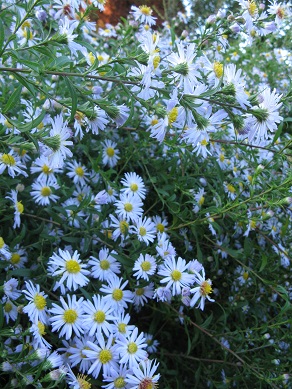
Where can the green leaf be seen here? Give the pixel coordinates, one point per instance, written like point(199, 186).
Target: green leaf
point(73, 97)
point(32, 65)
point(207, 321)
point(25, 83)
point(13, 99)
point(2, 35)
point(264, 262)
point(21, 273)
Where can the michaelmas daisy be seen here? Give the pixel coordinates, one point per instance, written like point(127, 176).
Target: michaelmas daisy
point(68, 318)
point(144, 376)
point(70, 268)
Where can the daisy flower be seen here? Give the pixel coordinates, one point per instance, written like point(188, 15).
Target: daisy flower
point(10, 289)
point(68, 318)
point(233, 79)
point(18, 207)
point(104, 356)
point(9, 309)
point(144, 267)
point(4, 250)
point(145, 230)
point(115, 292)
point(42, 192)
point(57, 150)
point(132, 348)
point(142, 294)
point(97, 122)
point(122, 325)
point(36, 309)
point(202, 291)
point(133, 185)
point(121, 227)
point(43, 166)
point(144, 375)
point(12, 163)
point(66, 28)
point(129, 207)
point(76, 353)
point(160, 223)
point(152, 344)
point(183, 67)
point(98, 316)
point(38, 331)
point(110, 154)
point(70, 268)
point(143, 14)
point(105, 265)
point(77, 172)
point(76, 382)
point(116, 378)
point(266, 120)
point(175, 274)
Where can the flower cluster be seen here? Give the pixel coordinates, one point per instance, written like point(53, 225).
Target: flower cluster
point(136, 163)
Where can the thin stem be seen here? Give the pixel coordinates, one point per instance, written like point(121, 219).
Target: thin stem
point(41, 218)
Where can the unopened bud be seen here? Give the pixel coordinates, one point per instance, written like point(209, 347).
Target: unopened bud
point(20, 187)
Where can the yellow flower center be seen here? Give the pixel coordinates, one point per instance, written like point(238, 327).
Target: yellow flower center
point(160, 227)
point(245, 275)
point(110, 152)
point(119, 383)
point(218, 69)
point(27, 34)
point(72, 266)
point(79, 171)
point(145, 10)
point(153, 122)
point(230, 188)
point(7, 307)
point(46, 169)
point(122, 328)
point(99, 316)
point(41, 328)
point(15, 258)
point(252, 8)
point(253, 224)
point(19, 207)
point(83, 384)
point(91, 58)
point(221, 157)
point(204, 142)
point(146, 265)
point(176, 275)
point(201, 201)
point(205, 288)
point(8, 159)
point(2, 243)
point(104, 264)
point(70, 316)
point(117, 294)
point(105, 356)
point(156, 61)
point(280, 13)
point(142, 231)
point(147, 383)
point(128, 207)
point(7, 124)
point(172, 115)
point(139, 291)
point(132, 348)
point(124, 226)
point(39, 302)
point(134, 187)
point(46, 191)
point(25, 24)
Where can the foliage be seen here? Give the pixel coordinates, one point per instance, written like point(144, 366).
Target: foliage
point(145, 191)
